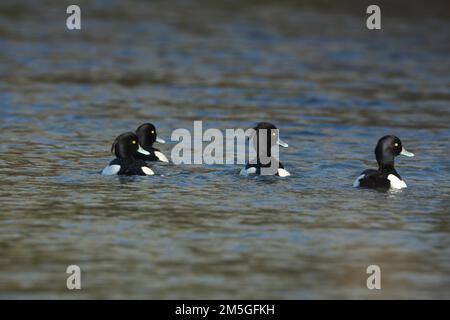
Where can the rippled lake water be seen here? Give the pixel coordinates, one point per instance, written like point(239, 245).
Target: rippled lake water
point(202, 231)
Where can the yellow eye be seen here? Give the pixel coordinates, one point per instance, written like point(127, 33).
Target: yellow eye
point(396, 144)
point(153, 131)
point(133, 142)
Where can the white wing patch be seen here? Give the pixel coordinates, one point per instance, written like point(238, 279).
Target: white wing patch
point(246, 172)
point(396, 183)
point(147, 171)
point(283, 172)
point(356, 183)
point(111, 170)
point(161, 156)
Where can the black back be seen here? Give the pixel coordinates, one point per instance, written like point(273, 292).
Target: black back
point(129, 167)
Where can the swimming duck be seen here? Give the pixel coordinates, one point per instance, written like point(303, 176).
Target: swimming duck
point(388, 147)
point(270, 166)
point(127, 148)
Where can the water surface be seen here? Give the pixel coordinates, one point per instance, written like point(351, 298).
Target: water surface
point(330, 85)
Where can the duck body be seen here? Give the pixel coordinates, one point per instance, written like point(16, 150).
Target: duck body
point(272, 166)
point(256, 169)
point(388, 147)
point(381, 178)
point(126, 148)
point(127, 167)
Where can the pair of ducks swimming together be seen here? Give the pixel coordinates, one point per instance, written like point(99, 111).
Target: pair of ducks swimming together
point(133, 150)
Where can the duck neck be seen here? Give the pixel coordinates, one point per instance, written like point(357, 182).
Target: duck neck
point(385, 161)
point(146, 143)
point(264, 154)
point(387, 168)
point(129, 158)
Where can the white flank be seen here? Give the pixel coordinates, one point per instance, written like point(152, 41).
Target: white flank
point(161, 156)
point(396, 183)
point(246, 172)
point(147, 171)
point(283, 173)
point(111, 170)
point(356, 183)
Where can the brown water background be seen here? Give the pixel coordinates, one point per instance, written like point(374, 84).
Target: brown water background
point(331, 86)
